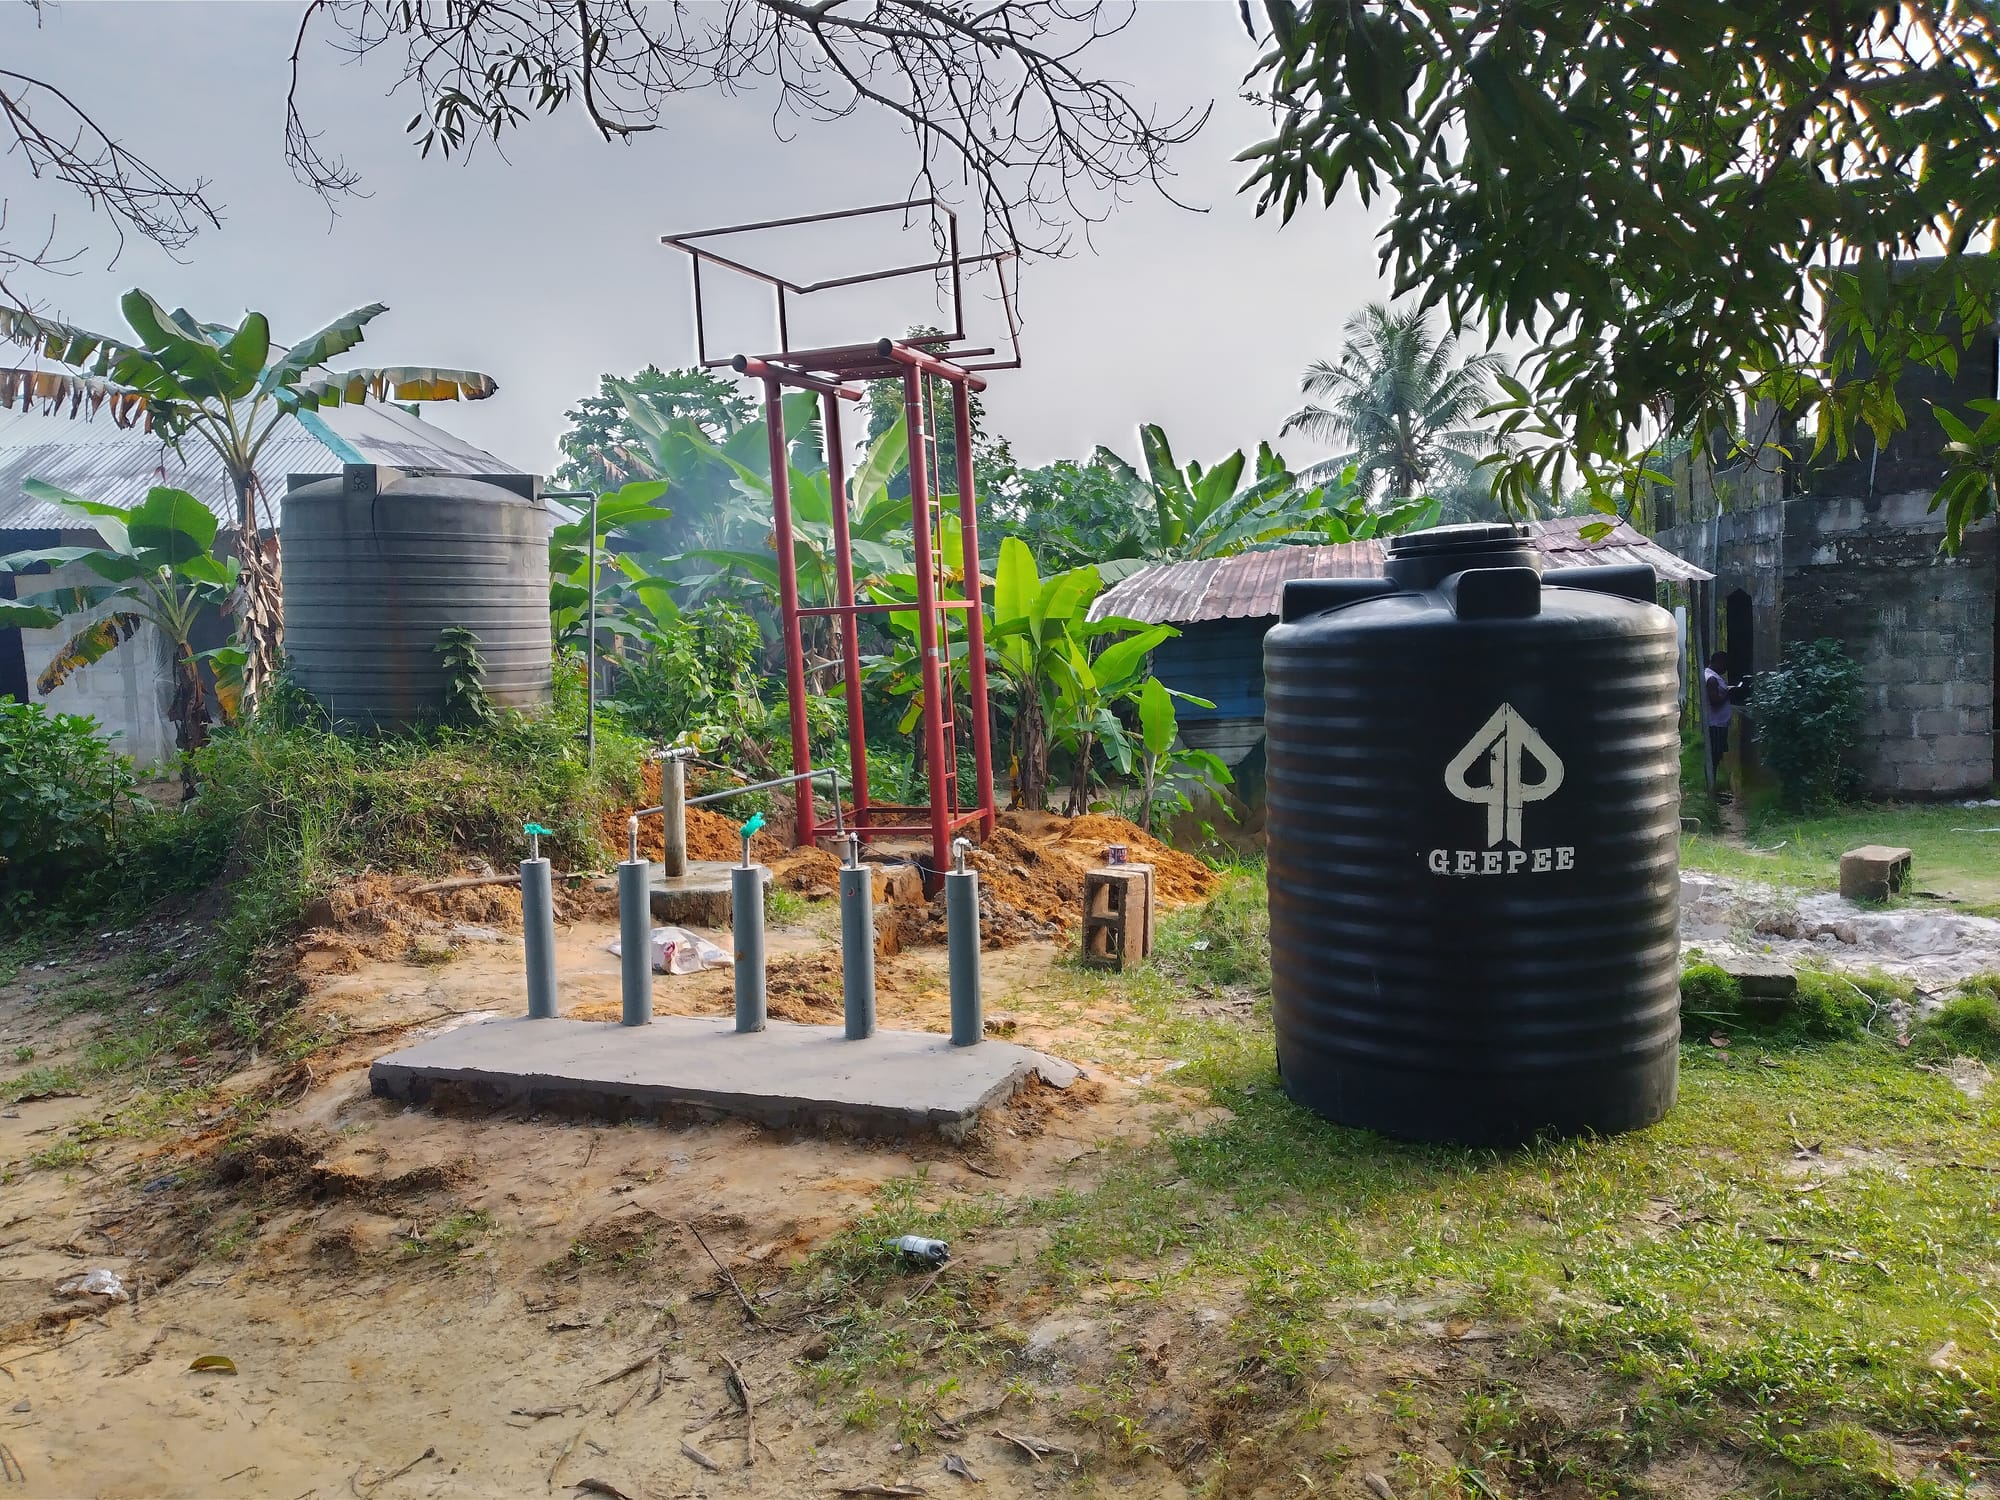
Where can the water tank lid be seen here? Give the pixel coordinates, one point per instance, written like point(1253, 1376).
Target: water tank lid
point(1476, 537)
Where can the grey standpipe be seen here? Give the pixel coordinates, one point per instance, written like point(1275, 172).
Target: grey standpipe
point(746, 908)
point(961, 921)
point(635, 933)
point(538, 927)
point(673, 817)
point(857, 943)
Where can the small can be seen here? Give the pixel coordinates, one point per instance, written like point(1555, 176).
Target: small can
point(1114, 854)
point(937, 1252)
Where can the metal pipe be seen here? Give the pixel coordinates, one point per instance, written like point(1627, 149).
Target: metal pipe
point(832, 772)
point(927, 621)
point(538, 934)
point(876, 609)
point(673, 818)
point(819, 218)
point(635, 934)
point(961, 919)
point(975, 623)
point(746, 921)
point(850, 644)
point(590, 651)
point(857, 943)
point(749, 364)
point(930, 364)
point(788, 601)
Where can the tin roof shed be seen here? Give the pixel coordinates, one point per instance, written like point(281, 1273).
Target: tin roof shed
point(1250, 585)
point(99, 459)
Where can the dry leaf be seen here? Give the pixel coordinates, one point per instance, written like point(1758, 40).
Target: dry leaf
point(220, 1364)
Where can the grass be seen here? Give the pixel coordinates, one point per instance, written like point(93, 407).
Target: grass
point(450, 1236)
point(1949, 856)
point(1794, 1268)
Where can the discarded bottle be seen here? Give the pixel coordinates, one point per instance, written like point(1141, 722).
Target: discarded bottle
point(937, 1252)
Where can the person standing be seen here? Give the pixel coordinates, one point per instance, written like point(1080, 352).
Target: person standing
point(1717, 710)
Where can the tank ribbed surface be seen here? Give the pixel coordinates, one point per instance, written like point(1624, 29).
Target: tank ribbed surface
point(1474, 850)
point(378, 563)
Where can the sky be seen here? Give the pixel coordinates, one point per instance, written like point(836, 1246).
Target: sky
point(540, 262)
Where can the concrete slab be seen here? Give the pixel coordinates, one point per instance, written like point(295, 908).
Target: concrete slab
point(684, 1068)
point(699, 898)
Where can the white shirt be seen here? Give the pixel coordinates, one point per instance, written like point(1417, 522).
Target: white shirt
point(1716, 715)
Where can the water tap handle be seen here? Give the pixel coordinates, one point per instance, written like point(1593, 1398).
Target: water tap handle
point(536, 833)
point(632, 835)
point(750, 826)
point(960, 848)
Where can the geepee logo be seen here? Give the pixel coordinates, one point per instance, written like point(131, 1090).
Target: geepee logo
point(1515, 767)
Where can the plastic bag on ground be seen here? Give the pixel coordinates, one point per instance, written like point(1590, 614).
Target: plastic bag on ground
point(678, 951)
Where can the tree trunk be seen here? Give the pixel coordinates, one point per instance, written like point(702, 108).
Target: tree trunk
point(1031, 753)
point(189, 712)
point(1079, 776)
point(259, 606)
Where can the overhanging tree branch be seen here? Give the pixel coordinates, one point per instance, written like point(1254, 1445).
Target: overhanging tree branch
point(995, 94)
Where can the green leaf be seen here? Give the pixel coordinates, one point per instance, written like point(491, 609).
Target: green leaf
point(222, 1364)
point(108, 521)
point(247, 351)
point(316, 349)
point(1157, 720)
point(172, 523)
point(1116, 663)
point(887, 457)
point(17, 616)
point(1015, 582)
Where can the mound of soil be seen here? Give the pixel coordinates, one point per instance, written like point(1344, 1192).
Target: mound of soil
point(710, 835)
point(1031, 869)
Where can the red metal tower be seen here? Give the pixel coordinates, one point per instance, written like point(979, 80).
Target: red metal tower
point(833, 374)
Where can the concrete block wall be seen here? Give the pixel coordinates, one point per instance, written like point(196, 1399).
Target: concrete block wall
point(1921, 625)
point(128, 692)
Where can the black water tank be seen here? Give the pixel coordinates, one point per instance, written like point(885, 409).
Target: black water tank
point(1474, 843)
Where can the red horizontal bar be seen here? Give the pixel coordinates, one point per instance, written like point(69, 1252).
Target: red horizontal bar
point(930, 364)
point(744, 364)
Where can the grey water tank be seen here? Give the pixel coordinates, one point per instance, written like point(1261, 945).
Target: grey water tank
point(379, 562)
point(1474, 843)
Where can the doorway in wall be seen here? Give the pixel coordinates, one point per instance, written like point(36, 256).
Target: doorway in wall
point(1739, 637)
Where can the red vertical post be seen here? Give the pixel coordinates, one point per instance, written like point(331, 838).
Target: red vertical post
point(788, 603)
point(975, 624)
point(850, 644)
point(927, 621)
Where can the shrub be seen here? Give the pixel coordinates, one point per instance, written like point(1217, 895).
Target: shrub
point(63, 794)
point(1808, 716)
point(695, 676)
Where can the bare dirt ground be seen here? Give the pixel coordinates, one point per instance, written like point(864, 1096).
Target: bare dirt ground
point(417, 1305)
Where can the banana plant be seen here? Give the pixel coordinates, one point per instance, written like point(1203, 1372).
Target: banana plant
point(159, 569)
point(230, 387)
point(878, 533)
point(1162, 763)
point(1038, 643)
point(629, 595)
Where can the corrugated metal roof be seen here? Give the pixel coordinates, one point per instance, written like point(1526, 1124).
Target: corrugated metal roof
point(1250, 585)
point(1560, 540)
point(100, 460)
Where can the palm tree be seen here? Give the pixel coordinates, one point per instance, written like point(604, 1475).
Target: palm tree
point(1406, 406)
